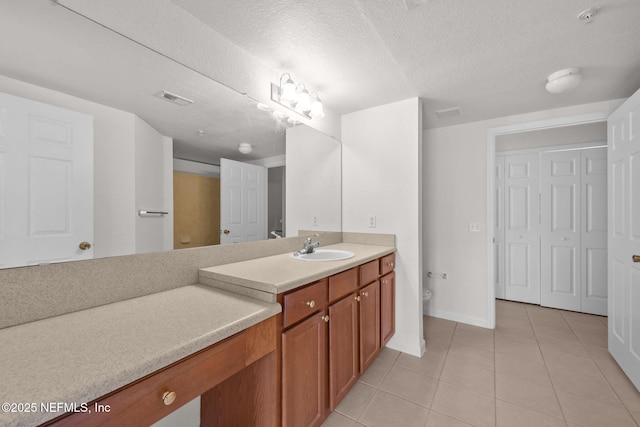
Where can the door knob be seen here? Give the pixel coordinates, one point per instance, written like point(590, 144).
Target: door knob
point(636, 258)
point(226, 231)
point(84, 246)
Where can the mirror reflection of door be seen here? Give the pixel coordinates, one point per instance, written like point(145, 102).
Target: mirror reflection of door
point(46, 155)
point(196, 204)
point(243, 202)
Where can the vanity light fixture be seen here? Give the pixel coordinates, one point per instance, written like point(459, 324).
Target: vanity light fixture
point(245, 148)
point(563, 81)
point(316, 106)
point(296, 97)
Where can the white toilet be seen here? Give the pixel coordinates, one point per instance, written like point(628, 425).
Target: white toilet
point(426, 296)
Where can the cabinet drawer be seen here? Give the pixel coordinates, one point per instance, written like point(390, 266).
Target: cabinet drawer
point(369, 272)
point(342, 284)
point(142, 403)
point(301, 303)
point(387, 264)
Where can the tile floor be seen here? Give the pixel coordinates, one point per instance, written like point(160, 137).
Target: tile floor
point(539, 367)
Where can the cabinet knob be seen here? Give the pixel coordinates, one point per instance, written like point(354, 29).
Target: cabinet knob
point(390, 264)
point(358, 298)
point(325, 318)
point(384, 282)
point(311, 303)
point(169, 397)
point(366, 294)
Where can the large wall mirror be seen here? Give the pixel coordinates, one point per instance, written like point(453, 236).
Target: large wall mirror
point(158, 131)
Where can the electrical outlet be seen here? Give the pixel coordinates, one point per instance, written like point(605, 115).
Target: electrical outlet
point(372, 221)
point(316, 221)
point(474, 226)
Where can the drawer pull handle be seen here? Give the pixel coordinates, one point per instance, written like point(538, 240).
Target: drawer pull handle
point(366, 294)
point(390, 264)
point(311, 303)
point(325, 318)
point(358, 298)
point(169, 397)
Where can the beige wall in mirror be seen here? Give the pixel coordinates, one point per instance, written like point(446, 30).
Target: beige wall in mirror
point(61, 59)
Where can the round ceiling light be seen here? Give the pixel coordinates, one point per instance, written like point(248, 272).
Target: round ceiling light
point(245, 148)
point(564, 80)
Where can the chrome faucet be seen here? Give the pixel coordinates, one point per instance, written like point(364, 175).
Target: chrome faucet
point(309, 246)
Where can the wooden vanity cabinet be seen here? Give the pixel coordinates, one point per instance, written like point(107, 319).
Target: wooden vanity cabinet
point(304, 372)
point(387, 307)
point(369, 324)
point(344, 327)
point(326, 345)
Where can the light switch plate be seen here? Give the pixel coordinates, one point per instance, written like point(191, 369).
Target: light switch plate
point(372, 221)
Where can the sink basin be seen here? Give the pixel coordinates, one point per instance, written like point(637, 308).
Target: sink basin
point(324, 255)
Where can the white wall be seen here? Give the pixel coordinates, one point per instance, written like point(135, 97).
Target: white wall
point(381, 176)
point(312, 181)
point(154, 188)
point(455, 193)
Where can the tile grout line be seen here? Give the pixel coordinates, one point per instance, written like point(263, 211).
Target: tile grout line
point(546, 368)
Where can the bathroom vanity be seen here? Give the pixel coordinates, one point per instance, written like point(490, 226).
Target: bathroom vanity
point(264, 341)
point(336, 316)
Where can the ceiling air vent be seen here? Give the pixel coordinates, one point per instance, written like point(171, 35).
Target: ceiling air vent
point(172, 97)
point(448, 112)
point(412, 4)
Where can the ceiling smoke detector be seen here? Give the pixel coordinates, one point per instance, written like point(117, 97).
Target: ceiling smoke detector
point(587, 15)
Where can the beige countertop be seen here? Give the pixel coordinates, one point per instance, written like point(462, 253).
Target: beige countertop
point(80, 356)
point(265, 277)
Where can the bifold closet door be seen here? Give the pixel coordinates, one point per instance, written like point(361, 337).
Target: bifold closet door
point(574, 230)
point(593, 254)
point(522, 238)
point(560, 230)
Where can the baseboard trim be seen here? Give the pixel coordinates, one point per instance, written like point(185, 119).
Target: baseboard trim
point(406, 345)
point(469, 320)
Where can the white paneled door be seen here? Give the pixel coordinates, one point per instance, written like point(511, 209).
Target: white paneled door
point(498, 232)
point(522, 231)
point(624, 236)
point(46, 183)
point(243, 196)
point(560, 230)
point(593, 235)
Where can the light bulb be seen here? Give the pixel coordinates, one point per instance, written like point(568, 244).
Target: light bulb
point(288, 92)
point(316, 106)
point(304, 101)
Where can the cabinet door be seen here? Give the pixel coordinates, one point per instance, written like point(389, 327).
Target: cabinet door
point(369, 324)
point(343, 348)
point(304, 372)
point(387, 307)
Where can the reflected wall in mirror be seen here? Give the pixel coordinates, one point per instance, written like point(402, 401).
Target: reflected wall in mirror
point(60, 59)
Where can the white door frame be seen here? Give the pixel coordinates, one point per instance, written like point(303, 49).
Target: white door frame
point(492, 133)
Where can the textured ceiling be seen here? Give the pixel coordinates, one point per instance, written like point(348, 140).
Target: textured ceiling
point(489, 58)
point(54, 48)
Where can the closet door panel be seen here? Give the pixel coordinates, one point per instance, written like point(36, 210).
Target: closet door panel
point(594, 231)
point(560, 230)
point(521, 223)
